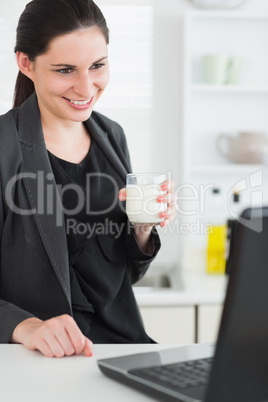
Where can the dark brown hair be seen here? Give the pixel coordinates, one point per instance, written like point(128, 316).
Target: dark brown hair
point(44, 20)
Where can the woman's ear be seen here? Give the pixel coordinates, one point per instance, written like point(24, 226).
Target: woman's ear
point(24, 64)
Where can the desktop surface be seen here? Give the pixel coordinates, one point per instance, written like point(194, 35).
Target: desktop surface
point(28, 376)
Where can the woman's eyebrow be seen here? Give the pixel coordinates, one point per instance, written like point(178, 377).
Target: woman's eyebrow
point(73, 66)
point(63, 65)
point(98, 61)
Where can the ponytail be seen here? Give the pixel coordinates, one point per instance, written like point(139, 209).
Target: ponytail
point(23, 89)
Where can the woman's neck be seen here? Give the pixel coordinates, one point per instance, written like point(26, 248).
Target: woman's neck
point(70, 142)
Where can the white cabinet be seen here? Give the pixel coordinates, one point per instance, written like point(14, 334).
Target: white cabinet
point(182, 324)
point(170, 324)
point(211, 109)
point(208, 322)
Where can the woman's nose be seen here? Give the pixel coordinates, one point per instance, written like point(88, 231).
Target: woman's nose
point(84, 85)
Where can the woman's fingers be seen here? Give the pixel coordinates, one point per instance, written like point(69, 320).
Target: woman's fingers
point(56, 337)
point(64, 340)
point(170, 214)
point(69, 338)
point(168, 198)
point(168, 186)
point(88, 347)
point(75, 336)
point(122, 194)
point(81, 344)
point(54, 345)
point(44, 348)
point(44, 340)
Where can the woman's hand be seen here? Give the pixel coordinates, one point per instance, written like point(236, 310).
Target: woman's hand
point(56, 337)
point(143, 231)
point(168, 197)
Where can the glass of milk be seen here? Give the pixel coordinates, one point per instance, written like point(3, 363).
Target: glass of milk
point(142, 192)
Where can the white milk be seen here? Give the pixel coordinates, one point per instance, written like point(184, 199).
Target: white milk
point(142, 205)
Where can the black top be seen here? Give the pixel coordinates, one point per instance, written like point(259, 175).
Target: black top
point(103, 302)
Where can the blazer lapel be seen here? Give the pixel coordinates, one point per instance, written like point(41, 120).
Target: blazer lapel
point(38, 178)
point(101, 137)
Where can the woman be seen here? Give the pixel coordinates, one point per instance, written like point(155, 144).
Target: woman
point(68, 254)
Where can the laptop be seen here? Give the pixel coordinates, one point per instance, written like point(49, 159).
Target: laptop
point(235, 368)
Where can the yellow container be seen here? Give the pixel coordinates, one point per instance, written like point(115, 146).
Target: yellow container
point(216, 260)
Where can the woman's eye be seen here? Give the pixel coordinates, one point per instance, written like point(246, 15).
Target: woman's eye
point(96, 66)
point(65, 71)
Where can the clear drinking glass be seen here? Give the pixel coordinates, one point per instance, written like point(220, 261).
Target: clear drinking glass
point(142, 192)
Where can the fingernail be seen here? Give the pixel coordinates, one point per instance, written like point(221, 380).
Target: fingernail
point(164, 186)
point(163, 214)
point(160, 198)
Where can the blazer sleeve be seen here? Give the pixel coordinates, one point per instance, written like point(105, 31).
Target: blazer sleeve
point(10, 315)
point(138, 261)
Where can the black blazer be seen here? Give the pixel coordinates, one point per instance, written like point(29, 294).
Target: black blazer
point(34, 266)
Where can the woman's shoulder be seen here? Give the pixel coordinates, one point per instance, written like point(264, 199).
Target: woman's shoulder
point(9, 116)
point(8, 125)
point(10, 149)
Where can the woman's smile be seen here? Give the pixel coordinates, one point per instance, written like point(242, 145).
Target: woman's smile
point(80, 104)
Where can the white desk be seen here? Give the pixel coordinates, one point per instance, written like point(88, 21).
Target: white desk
point(29, 376)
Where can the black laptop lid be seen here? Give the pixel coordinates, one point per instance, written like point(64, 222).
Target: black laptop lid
point(240, 370)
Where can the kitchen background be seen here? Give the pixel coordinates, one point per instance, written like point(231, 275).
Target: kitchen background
point(174, 103)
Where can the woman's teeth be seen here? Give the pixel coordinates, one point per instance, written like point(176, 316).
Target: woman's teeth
point(80, 102)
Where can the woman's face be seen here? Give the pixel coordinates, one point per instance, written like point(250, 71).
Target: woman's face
point(71, 76)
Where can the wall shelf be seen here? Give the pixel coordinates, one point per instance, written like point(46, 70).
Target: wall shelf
point(229, 89)
point(230, 15)
point(209, 110)
point(227, 168)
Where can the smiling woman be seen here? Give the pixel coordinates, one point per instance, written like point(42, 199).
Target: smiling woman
point(68, 253)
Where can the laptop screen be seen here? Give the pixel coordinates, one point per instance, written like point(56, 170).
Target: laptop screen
point(240, 370)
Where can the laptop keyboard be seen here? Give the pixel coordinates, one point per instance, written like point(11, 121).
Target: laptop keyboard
point(178, 376)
